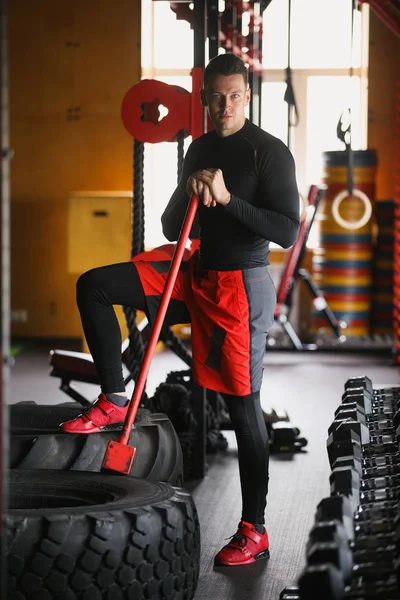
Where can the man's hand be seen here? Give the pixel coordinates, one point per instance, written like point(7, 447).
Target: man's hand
point(210, 186)
point(198, 187)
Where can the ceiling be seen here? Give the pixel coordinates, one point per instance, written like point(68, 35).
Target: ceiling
point(387, 10)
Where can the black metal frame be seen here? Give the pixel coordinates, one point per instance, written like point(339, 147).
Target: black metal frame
point(206, 25)
point(255, 77)
point(199, 467)
point(5, 285)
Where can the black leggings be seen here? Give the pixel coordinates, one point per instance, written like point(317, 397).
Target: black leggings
point(253, 453)
point(97, 291)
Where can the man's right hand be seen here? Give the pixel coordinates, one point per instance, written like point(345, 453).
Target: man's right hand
point(201, 189)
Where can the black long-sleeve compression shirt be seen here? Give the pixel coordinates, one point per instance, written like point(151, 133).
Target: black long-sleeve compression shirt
point(259, 172)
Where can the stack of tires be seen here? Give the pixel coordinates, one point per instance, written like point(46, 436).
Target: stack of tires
point(74, 532)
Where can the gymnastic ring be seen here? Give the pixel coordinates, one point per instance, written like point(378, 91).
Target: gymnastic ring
point(348, 224)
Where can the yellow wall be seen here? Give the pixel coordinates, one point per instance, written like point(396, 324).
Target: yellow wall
point(77, 59)
point(384, 73)
point(66, 59)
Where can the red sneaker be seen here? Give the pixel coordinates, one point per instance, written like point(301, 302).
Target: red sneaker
point(246, 547)
point(102, 416)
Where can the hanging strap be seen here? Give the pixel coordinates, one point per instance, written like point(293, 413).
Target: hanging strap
point(289, 96)
point(344, 132)
point(350, 164)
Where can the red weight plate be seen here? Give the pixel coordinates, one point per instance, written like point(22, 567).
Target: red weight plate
point(140, 111)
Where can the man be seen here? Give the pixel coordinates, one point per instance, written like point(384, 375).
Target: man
point(245, 179)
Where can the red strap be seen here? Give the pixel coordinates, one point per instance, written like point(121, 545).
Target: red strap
point(105, 406)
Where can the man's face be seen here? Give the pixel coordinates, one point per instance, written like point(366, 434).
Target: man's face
point(226, 98)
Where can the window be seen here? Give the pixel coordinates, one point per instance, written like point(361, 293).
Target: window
point(274, 111)
point(160, 174)
point(328, 96)
point(321, 57)
point(174, 39)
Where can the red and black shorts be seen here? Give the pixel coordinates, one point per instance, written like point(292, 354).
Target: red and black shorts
point(230, 313)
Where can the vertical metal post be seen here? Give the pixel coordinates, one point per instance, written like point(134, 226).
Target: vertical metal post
point(260, 58)
point(396, 278)
point(198, 392)
point(199, 33)
point(213, 28)
point(255, 76)
point(5, 284)
point(239, 25)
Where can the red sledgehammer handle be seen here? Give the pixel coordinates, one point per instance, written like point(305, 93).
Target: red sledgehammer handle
point(165, 298)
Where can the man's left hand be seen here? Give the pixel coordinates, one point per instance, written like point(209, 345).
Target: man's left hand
point(215, 181)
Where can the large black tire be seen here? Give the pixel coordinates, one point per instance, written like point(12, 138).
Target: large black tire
point(158, 456)
point(85, 536)
point(32, 418)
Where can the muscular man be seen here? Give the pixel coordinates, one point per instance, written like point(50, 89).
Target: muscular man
point(246, 182)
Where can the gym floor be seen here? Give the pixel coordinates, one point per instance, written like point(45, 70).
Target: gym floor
point(309, 386)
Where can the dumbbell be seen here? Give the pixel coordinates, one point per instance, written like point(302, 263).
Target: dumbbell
point(328, 543)
point(379, 495)
point(374, 542)
point(382, 556)
point(380, 439)
point(381, 444)
point(381, 471)
point(321, 581)
point(375, 483)
point(378, 540)
point(382, 426)
point(362, 381)
point(372, 571)
point(372, 527)
point(348, 461)
point(391, 392)
point(354, 416)
point(382, 411)
point(338, 508)
point(361, 397)
point(381, 460)
point(343, 441)
point(374, 521)
point(291, 592)
point(351, 410)
point(376, 590)
point(376, 512)
point(387, 397)
point(346, 481)
point(286, 438)
point(385, 401)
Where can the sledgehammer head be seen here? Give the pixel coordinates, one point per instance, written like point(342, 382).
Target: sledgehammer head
point(118, 457)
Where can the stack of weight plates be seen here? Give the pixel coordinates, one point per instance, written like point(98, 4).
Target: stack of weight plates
point(342, 262)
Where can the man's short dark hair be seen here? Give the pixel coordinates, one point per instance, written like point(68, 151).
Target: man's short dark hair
point(225, 64)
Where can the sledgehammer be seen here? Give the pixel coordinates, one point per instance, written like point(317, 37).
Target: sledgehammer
point(119, 455)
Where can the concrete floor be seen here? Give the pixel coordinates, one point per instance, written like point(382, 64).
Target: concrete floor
point(309, 386)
